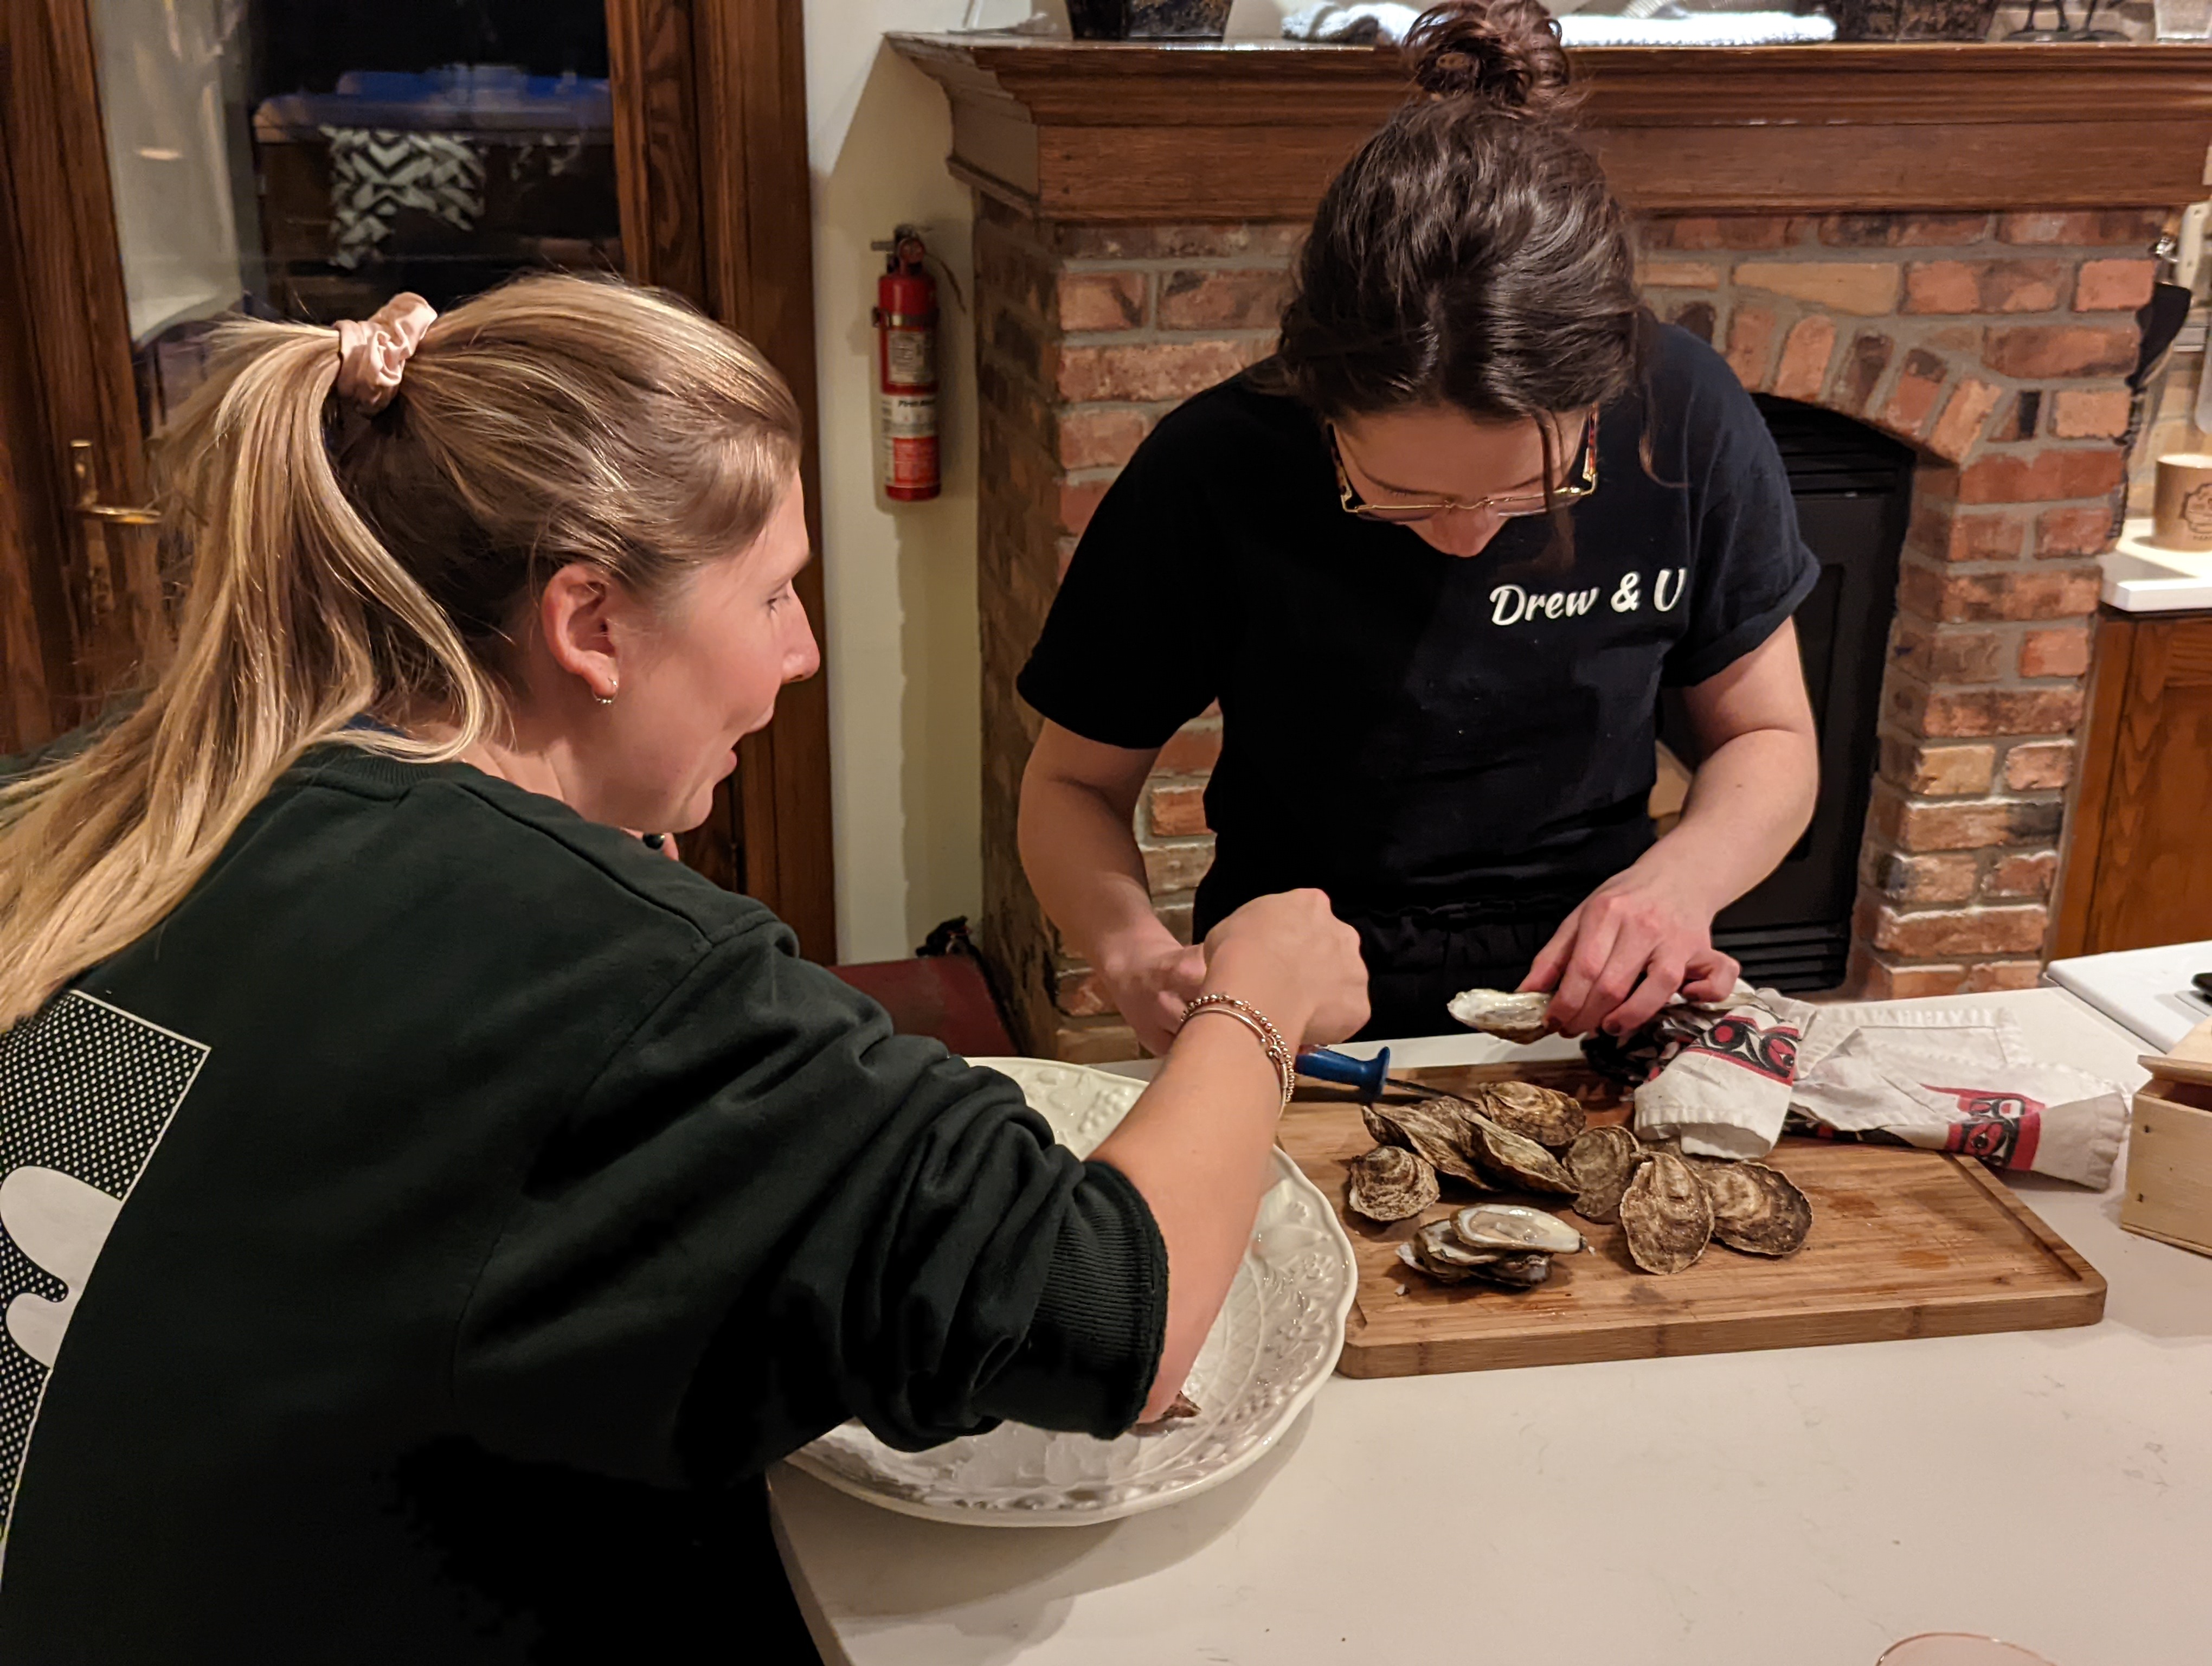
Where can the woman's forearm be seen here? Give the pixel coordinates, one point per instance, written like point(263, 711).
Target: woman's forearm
point(1748, 803)
point(1082, 861)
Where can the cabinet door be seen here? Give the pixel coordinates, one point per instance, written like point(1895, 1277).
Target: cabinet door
point(2139, 872)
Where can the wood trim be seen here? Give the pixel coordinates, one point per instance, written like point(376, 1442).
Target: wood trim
point(656, 144)
point(71, 279)
point(757, 235)
point(1097, 131)
point(2087, 823)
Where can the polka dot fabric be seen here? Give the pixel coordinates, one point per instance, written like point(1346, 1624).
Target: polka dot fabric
point(89, 1090)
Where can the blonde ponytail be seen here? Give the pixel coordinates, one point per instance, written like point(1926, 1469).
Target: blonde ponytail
point(344, 564)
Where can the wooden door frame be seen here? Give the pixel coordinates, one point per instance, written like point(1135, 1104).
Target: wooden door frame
point(717, 194)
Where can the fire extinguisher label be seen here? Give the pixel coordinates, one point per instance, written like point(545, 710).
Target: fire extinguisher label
point(910, 358)
point(908, 445)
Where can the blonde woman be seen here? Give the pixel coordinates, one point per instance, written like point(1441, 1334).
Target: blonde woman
point(479, 1200)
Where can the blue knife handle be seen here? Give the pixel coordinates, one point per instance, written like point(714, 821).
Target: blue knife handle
point(1366, 1074)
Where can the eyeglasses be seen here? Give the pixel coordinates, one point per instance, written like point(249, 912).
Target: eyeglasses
point(1581, 482)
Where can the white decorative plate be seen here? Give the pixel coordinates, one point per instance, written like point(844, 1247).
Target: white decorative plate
point(1276, 1342)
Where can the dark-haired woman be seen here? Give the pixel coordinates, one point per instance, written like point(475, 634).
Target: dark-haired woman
point(1435, 560)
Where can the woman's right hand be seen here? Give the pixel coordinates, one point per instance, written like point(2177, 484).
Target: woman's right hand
point(1151, 985)
point(1293, 958)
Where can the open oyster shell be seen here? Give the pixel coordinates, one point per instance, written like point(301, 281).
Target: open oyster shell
point(1666, 1215)
point(1514, 1018)
point(1756, 1209)
point(1437, 1250)
point(1551, 1118)
point(1515, 1229)
point(1390, 1184)
point(1601, 1161)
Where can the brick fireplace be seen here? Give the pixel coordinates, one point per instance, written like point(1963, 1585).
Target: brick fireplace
point(1939, 263)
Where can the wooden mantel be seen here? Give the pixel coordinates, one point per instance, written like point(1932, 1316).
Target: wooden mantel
point(1253, 130)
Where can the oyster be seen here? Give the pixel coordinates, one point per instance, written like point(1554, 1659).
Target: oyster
point(1181, 1407)
point(1755, 1208)
point(1551, 1118)
point(1437, 1250)
point(1514, 1018)
point(1513, 1229)
point(1666, 1215)
point(1601, 1161)
point(1511, 1160)
point(1390, 1184)
point(1434, 1130)
point(1518, 1271)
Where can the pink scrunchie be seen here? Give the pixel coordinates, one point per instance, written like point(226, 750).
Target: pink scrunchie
point(372, 354)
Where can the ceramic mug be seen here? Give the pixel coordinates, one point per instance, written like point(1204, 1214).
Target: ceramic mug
point(1957, 1649)
point(2181, 510)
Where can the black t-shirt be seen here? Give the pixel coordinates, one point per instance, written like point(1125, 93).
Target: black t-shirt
point(481, 1202)
point(1401, 727)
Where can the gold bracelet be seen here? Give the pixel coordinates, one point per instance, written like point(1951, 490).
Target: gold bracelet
point(1279, 1051)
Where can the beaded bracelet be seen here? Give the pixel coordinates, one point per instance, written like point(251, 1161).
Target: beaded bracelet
point(1279, 1051)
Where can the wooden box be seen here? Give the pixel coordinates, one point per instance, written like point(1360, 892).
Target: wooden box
point(2168, 1196)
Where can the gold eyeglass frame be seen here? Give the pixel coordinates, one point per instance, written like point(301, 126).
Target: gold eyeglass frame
point(1407, 514)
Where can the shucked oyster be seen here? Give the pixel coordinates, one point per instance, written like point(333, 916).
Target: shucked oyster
point(1756, 1209)
point(1666, 1215)
point(1511, 1160)
point(1601, 1161)
point(1439, 1251)
point(1551, 1118)
point(1508, 1017)
point(1514, 1229)
point(1435, 1130)
point(1390, 1184)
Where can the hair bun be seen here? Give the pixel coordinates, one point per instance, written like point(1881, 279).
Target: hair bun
point(1504, 53)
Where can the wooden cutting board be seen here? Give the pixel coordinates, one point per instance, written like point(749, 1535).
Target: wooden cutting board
point(1903, 1243)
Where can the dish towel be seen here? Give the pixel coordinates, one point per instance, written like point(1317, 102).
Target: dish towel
point(1719, 1077)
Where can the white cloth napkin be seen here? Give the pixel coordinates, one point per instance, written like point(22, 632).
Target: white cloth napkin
point(1725, 1074)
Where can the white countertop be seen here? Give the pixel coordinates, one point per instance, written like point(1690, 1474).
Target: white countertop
point(2140, 577)
point(1800, 1507)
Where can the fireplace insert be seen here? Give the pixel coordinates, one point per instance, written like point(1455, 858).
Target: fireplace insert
point(1854, 493)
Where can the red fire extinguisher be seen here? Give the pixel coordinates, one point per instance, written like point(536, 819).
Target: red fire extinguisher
point(906, 371)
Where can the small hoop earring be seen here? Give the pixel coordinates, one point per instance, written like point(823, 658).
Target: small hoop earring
point(608, 698)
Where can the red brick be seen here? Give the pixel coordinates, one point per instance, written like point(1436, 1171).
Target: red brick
point(2039, 766)
point(1881, 981)
point(1946, 655)
point(1862, 369)
point(1948, 535)
point(1956, 824)
point(1178, 866)
point(1100, 437)
point(1995, 974)
point(1677, 275)
point(1101, 301)
point(1078, 500)
point(1960, 425)
point(2042, 476)
point(1193, 750)
point(1278, 238)
point(2113, 286)
point(1177, 809)
point(1938, 771)
point(1919, 379)
point(2089, 413)
point(1945, 714)
point(2029, 873)
point(1234, 298)
point(1941, 878)
point(1151, 370)
point(1901, 231)
point(1867, 288)
point(2060, 349)
point(1698, 318)
point(2017, 285)
point(2069, 534)
point(1736, 231)
point(2064, 652)
point(2095, 226)
point(1805, 355)
point(1751, 346)
point(1959, 931)
point(2028, 593)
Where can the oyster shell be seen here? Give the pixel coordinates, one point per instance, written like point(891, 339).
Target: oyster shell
point(1666, 1215)
point(1514, 1018)
point(1601, 1161)
point(1518, 1271)
point(1756, 1209)
point(1390, 1184)
point(1181, 1406)
point(1515, 1229)
point(1437, 1250)
point(1511, 1160)
point(1551, 1118)
point(1435, 1130)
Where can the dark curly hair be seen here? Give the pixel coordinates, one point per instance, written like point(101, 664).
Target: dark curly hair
point(1470, 254)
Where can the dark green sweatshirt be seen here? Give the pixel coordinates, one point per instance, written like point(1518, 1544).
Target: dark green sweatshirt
point(480, 1202)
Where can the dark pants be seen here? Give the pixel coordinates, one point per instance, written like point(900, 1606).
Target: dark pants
point(1419, 959)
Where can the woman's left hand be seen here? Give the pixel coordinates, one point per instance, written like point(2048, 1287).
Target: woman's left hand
point(1637, 941)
